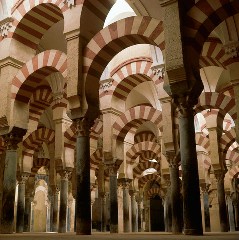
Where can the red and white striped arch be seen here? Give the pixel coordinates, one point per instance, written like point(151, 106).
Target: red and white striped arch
point(141, 167)
point(70, 137)
point(149, 155)
point(130, 75)
point(35, 140)
point(233, 156)
point(217, 101)
point(226, 141)
point(149, 177)
point(34, 71)
point(234, 172)
point(155, 192)
point(204, 17)
point(40, 100)
point(40, 162)
point(113, 39)
point(97, 129)
point(135, 117)
point(96, 158)
point(145, 136)
point(141, 147)
point(202, 140)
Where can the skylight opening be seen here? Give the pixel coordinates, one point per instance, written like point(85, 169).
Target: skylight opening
point(120, 10)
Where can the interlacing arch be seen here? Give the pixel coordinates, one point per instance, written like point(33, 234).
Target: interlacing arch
point(234, 172)
point(110, 41)
point(133, 118)
point(210, 100)
point(36, 138)
point(202, 140)
point(141, 167)
point(149, 177)
point(226, 141)
point(97, 129)
point(152, 192)
point(141, 147)
point(129, 75)
point(233, 156)
point(40, 162)
point(96, 158)
point(145, 136)
point(34, 71)
point(40, 100)
point(204, 17)
point(149, 155)
point(70, 137)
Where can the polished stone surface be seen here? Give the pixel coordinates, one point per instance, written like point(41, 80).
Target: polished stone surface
point(128, 236)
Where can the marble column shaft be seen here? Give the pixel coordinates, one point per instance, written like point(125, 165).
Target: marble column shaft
point(206, 209)
point(133, 213)
point(139, 216)
point(54, 205)
point(21, 203)
point(222, 200)
point(27, 213)
point(175, 198)
point(9, 181)
point(63, 201)
point(168, 210)
point(83, 189)
point(114, 227)
point(190, 177)
point(103, 212)
point(126, 222)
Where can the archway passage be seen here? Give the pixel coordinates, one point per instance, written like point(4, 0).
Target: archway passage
point(156, 214)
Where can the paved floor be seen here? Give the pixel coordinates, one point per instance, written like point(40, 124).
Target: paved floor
point(107, 236)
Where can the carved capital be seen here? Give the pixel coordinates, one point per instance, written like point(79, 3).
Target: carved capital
point(184, 106)
point(232, 49)
point(173, 158)
point(70, 3)
point(13, 138)
point(125, 182)
point(113, 167)
point(204, 187)
point(219, 175)
point(65, 174)
point(5, 27)
point(22, 178)
point(158, 70)
point(82, 127)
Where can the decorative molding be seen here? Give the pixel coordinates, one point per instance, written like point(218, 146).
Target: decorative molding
point(105, 84)
point(70, 3)
point(5, 26)
point(158, 70)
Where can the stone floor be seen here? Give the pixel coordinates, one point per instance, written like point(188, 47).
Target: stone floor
point(106, 236)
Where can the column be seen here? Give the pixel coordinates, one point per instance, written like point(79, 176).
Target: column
point(190, 178)
point(175, 192)
point(235, 202)
point(230, 213)
point(22, 178)
point(219, 174)
point(113, 199)
point(27, 213)
point(168, 209)
point(204, 188)
point(125, 184)
point(134, 227)
point(139, 201)
point(65, 174)
point(147, 215)
point(9, 181)
point(83, 190)
point(54, 206)
point(103, 211)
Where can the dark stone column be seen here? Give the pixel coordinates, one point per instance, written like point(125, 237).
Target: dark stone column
point(204, 188)
point(113, 199)
point(139, 200)
point(125, 185)
point(168, 208)
point(231, 216)
point(27, 213)
point(63, 200)
point(133, 212)
point(175, 192)
point(235, 203)
point(190, 178)
point(83, 189)
point(54, 206)
point(9, 181)
point(103, 211)
point(22, 178)
point(222, 200)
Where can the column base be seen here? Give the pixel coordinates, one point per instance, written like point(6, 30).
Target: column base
point(192, 232)
point(114, 229)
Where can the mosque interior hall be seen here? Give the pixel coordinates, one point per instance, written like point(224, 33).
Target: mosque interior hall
point(119, 119)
